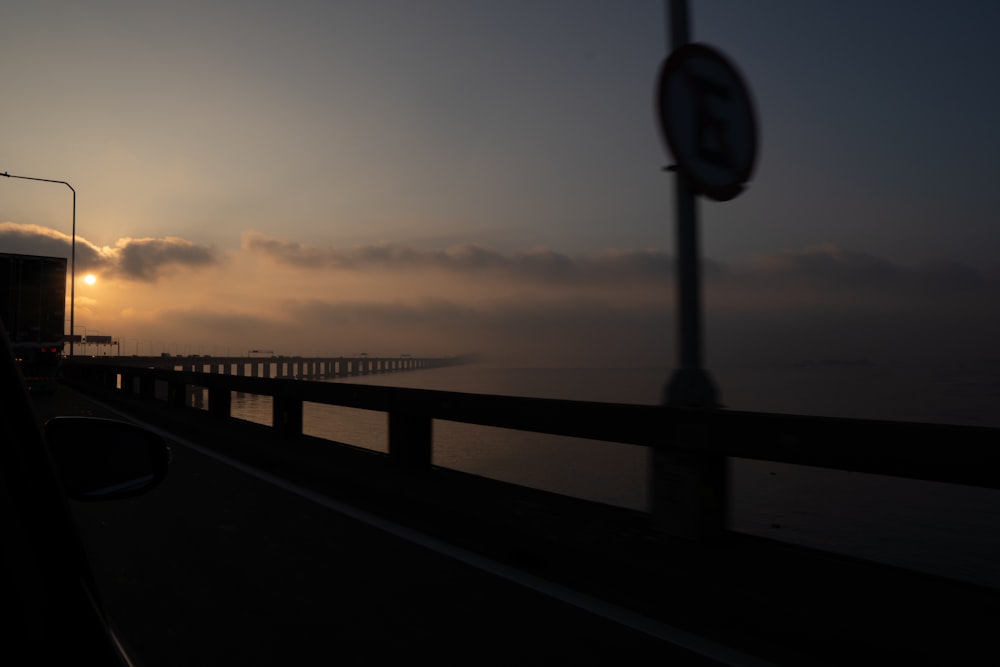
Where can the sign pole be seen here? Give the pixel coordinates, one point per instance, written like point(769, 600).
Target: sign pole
point(690, 384)
point(689, 485)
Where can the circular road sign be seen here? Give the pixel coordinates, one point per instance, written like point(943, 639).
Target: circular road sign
point(707, 120)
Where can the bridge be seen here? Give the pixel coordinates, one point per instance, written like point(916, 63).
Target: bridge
point(674, 566)
point(280, 366)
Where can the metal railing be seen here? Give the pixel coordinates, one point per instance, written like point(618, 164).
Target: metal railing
point(965, 455)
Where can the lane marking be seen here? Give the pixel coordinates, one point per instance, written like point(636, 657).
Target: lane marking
point(696, 644)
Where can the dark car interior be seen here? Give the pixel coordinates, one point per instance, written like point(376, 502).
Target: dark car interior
point(53, 613)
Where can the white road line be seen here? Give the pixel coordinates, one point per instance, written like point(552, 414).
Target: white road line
point(694, 643)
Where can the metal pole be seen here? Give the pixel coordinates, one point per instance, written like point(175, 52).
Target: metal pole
point(72, 270)
point(688, 485)
point(690, 385)
point(72, 274)
point(679, 25)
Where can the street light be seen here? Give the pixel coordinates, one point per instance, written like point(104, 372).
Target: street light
point(72, 265)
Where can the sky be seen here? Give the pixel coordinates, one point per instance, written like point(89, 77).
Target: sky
point(452, 177)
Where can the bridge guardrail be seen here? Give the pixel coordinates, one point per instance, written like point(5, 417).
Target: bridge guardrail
point(697, 441)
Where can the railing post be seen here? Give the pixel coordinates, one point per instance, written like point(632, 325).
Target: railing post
point(410, 440)
point(689, 487)
point(220, 400)
point(147, 387)
point(176, 394)
point(287, 415)
point(109, 380)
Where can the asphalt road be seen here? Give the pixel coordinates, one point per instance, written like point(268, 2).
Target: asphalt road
point(226, 565)
point(219, 567)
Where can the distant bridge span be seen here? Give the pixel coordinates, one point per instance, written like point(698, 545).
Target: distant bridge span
point(302, 368)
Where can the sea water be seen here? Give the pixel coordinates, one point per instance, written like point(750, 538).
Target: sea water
point(939, 528)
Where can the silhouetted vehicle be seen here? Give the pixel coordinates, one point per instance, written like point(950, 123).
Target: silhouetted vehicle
point(52, 609)
point(33, 308)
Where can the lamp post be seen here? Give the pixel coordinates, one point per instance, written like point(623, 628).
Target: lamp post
point(72, 265)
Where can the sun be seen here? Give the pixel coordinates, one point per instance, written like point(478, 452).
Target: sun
point(90, 279)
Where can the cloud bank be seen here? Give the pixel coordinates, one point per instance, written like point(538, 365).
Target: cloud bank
point(820, 303)
point(143, 259)
point(821, 271)
point(539, 264)
point(539, 307)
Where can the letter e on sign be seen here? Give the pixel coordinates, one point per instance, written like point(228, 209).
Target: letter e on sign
point(707, 120)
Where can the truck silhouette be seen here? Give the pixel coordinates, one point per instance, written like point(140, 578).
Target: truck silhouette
point(33, 310)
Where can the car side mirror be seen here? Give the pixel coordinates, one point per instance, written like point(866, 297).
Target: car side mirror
point(105, 459)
